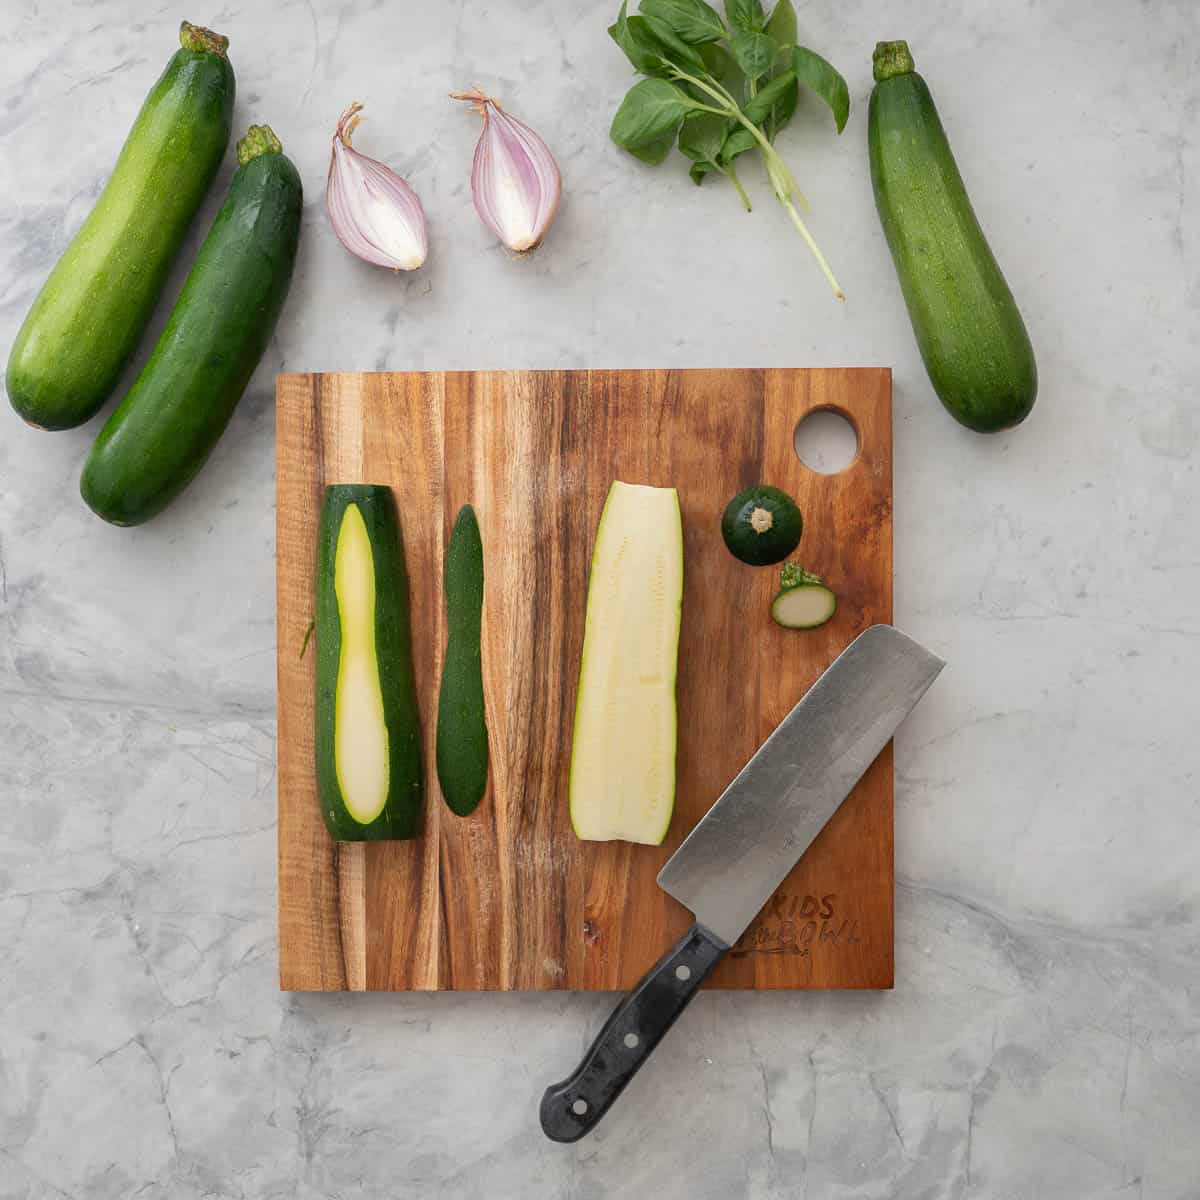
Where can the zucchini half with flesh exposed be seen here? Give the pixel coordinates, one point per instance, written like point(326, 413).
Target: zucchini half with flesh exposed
point(623, 750)
point(368, 733)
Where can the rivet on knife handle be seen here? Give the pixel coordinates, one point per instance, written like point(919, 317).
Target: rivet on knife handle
point(573, 1107)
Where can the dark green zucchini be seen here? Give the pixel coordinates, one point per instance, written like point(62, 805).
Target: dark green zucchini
point(462, 744)
point(91, 312)
point(968, 327)
point(762, 525)
point(163, 431)
point(367, 728)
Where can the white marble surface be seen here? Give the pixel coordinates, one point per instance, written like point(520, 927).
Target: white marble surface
point(1043, 1040)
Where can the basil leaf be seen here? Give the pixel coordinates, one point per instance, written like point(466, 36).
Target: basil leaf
point(654, 151)
point(758, 108)
point(738, 142)
point(782, 110)
point(638, 43)
point(815, 73)
point(722, 66)
point(702, 135)
point(781, 24)
point(674, 47)
point(746, 15)
point(693, 20)
point(754, 53)
point(649, 118)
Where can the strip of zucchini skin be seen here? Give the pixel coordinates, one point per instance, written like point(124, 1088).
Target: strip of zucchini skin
point(462, 740)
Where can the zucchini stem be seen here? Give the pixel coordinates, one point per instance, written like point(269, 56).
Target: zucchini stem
point(891, 59)
point(259, 140)
point(202, 41)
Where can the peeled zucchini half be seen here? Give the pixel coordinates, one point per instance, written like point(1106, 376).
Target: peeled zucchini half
point(623, 750)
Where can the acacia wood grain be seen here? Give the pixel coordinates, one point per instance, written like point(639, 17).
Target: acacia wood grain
point(507, 898)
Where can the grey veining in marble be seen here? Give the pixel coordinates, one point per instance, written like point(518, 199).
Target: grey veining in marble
point(1043, 1039)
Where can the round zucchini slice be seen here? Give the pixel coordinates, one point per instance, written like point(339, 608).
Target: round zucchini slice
point(803, 607)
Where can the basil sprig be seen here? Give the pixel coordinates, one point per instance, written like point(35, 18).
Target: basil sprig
point(718, 90)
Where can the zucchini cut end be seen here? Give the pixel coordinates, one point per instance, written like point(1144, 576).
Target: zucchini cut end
point(587, 829)
point(804, 607)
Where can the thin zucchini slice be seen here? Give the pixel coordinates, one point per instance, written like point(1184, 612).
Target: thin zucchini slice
point(804, 600)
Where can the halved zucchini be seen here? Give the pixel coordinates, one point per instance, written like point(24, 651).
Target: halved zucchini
point(368, 735)
point(623, 751)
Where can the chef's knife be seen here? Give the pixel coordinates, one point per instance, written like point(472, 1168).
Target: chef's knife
point(743, 848)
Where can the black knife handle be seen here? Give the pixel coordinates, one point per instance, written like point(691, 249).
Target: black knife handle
point(574, 1107)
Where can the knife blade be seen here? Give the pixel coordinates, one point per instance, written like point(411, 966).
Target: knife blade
point(737, 855)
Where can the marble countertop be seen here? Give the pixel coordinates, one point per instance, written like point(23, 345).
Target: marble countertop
point(1043, 1038)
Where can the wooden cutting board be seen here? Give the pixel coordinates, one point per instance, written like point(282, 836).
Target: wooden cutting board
point(508, 898)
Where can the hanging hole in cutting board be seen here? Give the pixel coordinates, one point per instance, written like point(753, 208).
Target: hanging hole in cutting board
point(826, 441)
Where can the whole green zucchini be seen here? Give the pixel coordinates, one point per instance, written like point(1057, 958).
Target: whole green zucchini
point(370, 781)
point(968, 327)
point(87, 319)
point(163, 431)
